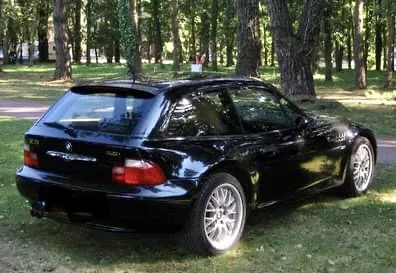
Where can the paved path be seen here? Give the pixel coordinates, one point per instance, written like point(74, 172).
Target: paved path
point(33, 110)
point(386, 149)
point(22, 109)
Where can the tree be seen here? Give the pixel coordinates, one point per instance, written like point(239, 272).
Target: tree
point(230, 29)
point(2, 27)
point(158, 43)
point(128, 23)
point(390, 46)
point(175, 36)
point(378, 37)
point(213, 33)
point(77, 31)
point(88, 14)
point(204, 32)
point(360, 68)
point(295, 49)
point(248, 38)
point(63, 70)
point(42, 31)
point(328, 43)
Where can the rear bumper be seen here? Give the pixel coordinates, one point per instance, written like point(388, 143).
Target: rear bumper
point(117, 206)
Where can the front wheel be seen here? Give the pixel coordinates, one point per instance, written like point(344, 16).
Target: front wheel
point(360, 169)
point(217, 217)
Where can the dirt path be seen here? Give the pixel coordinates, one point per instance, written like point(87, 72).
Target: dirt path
point(33, 110)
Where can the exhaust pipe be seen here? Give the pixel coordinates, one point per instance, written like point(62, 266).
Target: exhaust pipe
point(36, 213)
point(38, 209)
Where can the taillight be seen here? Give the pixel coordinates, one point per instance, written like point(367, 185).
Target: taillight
point(138, 172)
point(30, 159)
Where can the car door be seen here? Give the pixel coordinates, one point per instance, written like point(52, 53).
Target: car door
point(277, 146)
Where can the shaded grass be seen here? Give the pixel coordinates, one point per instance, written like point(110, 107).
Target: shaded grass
point(324, 234)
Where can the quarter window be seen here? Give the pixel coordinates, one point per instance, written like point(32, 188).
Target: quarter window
point(207, 114)
point(260, 111)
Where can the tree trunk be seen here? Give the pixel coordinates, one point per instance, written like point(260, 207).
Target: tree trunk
point(385, 53)
point(2, 29)
point(175, 36)
point(136, 15)
point(205, 36)
point(265, 37)
point(109, 52)
point(213, 33)
point(248, 38)
point(230, 29)
point(117, 51)
point(391, 47)
point(136, 54)
point(158, 43)
point(77, 32)
point(89, 32)
point(349, 44)
point(328, 43)
point(129, 28)
point(63, 69)
point(295, 51)
point(378, 40)
point(360, 69)
point(193, 49)
point(265, 44)
point(31, 48)
point(42, 30)
point(366, 49)
point(339, 55)
point(272, 53)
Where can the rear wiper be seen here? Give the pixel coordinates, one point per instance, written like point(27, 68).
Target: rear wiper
point(67, 129)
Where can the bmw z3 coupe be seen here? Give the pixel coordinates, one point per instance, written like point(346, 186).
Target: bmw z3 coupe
point(189, 155)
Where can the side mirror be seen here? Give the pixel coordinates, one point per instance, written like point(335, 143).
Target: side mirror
point(302, 122)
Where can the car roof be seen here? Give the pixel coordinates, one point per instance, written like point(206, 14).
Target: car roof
point(156, 87)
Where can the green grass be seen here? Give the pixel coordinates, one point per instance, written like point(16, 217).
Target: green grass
point(324, 234)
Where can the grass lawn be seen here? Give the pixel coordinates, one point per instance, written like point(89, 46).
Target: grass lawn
point(373, 107)
point(325, 234)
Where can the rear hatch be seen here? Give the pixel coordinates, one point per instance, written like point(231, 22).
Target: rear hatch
point(85, 134)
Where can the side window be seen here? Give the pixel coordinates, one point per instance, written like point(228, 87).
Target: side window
point(207, 114)
point(260, 111)
point(291, 111)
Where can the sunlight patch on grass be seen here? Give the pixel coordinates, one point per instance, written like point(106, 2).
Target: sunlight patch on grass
point(388, 197)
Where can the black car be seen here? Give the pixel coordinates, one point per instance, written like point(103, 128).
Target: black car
point(190, 155)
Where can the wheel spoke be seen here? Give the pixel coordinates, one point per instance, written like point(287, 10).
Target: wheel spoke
point(210, 220)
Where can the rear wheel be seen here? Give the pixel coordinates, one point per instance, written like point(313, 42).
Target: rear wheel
point(360, 169)
point(218, 216)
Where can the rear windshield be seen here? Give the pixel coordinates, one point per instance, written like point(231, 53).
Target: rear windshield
point(100, 111)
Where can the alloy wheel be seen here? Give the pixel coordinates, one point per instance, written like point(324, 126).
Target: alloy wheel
point(224, 214)
point(362, 167)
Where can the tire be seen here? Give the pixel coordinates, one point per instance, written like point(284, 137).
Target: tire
point(359, 177)
point(206, 230)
